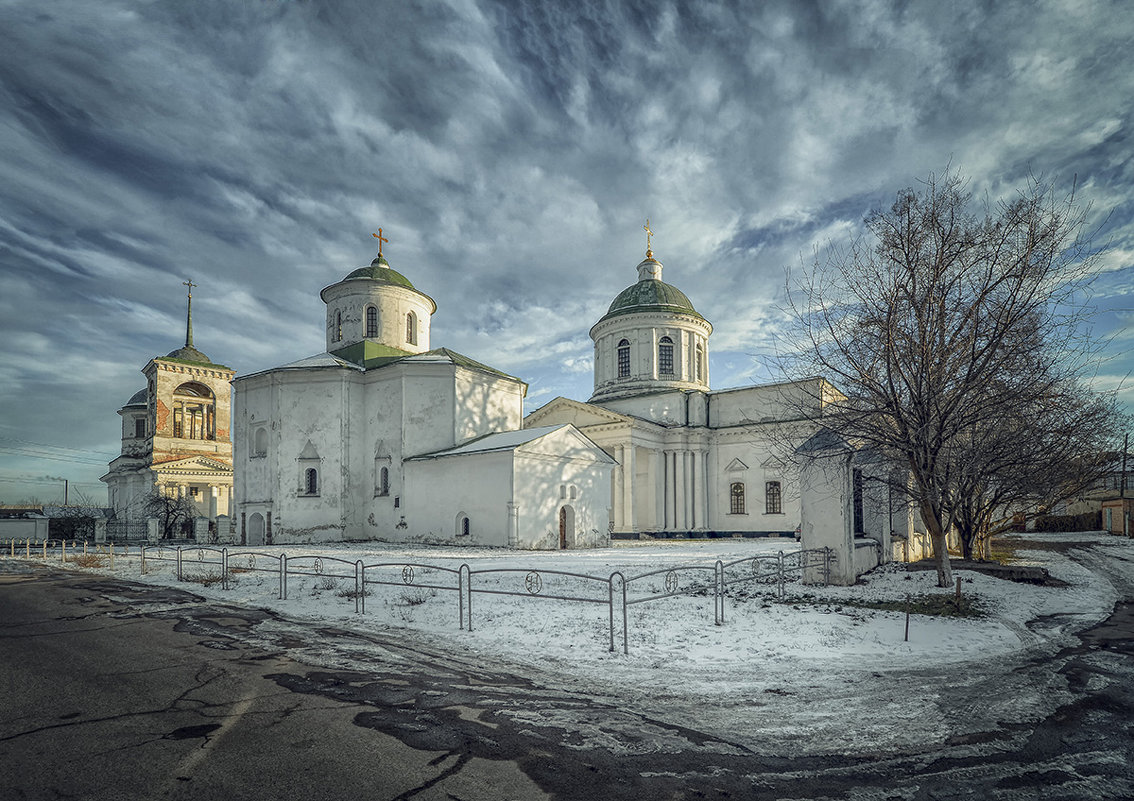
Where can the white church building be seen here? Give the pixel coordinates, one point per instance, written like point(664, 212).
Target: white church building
point(384, 437)
point(691, 461)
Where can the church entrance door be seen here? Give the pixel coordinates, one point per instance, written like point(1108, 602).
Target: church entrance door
point(566, 524)
point(255, 533)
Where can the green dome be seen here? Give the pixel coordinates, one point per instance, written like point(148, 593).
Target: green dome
point(379, 270)
point(188, 353)
point(139, 398)
point(650, 294)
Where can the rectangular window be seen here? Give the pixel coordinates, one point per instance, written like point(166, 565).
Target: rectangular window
point(665, 359)
point(139, 428)
point(773, 503)
point(624, 362)
point(736, 499)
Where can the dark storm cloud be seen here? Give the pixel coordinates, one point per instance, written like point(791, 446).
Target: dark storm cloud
point(511, 151)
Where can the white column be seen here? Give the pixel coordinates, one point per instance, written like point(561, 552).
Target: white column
point(667, 491)
point(657, 487)
point(705, 490)
point(694, 490)
point(616, 488)
point(681, 517)
point(212, 503)
point(628, 516)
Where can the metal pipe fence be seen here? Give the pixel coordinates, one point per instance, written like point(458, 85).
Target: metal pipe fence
point(616, 592)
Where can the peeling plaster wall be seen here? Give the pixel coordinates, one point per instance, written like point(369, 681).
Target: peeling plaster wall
point(359, 422)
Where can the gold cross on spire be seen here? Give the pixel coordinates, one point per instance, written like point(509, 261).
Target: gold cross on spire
point(649, 234)
point(380, 239)
point(190, 284)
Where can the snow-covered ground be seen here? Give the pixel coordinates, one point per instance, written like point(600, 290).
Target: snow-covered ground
point(810, 654)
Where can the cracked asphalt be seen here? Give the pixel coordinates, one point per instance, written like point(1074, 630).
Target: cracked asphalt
point(112, 689)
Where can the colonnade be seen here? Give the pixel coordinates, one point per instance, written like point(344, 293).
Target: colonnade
point(675, 484)
point(210, 505)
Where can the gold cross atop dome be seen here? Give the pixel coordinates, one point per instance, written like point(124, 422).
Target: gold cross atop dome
point(380, 239)
point(190, 284)
point(649, 234)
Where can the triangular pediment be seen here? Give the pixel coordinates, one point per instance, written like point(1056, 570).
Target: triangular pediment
point(309, 451)
point(577, 413)
point(565, 442)
point(735, 466)
point(202, 465)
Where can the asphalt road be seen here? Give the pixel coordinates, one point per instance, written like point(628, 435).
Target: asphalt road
point(110, 689)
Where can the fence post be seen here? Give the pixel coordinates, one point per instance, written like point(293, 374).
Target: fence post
point(179, 563)
point(469, 612)
point(224, 568)
point(719, 575)
point(283, 576)
point(45, 550)
point(781, 578)
point(462, 588)
point(827, 566)
point(143, 560)
point(359, 587)
point(64, 551)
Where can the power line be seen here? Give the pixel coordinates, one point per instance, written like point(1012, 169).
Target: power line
point(29, 454)
point(65, 448)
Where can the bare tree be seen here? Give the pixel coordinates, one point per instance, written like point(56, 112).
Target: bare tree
point(173, 512)
point(1046, 449)
point(940, 320)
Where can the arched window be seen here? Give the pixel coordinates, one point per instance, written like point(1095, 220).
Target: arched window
point(411, 328)
point(463, 527)
point(773, 498)
point(194, 412)
point(384, 481)
point(665, 356)
point(736, 498)
point(371, 322)
point(700, 364)
point(311, 481)
point(260, 444)
point(338, 326)
point(624, 359)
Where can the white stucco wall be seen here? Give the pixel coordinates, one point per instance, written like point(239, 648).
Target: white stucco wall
point(439, 490)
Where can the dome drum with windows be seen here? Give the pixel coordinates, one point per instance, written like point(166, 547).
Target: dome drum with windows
point(376, 311)
point(650, 339)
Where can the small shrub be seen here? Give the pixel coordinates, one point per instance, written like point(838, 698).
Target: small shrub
point(205, 579)
point(415, 597)
point(87, 560)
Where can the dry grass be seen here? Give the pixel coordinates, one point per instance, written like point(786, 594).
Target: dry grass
point(87, 560)
point(206, 579)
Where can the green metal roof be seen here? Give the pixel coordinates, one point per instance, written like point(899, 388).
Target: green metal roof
point(371, 355)
point(379, 270)
point(650, 294)
point(139, 398)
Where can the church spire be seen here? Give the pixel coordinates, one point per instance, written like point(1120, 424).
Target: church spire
point(649, 236)
point(189, 314)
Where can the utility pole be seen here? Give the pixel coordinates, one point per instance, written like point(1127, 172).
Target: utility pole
point(1125, 451)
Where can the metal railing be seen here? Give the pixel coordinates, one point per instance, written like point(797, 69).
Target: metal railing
point(616, 592)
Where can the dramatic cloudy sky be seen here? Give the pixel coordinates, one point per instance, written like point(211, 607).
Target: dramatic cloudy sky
point(511, 152)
